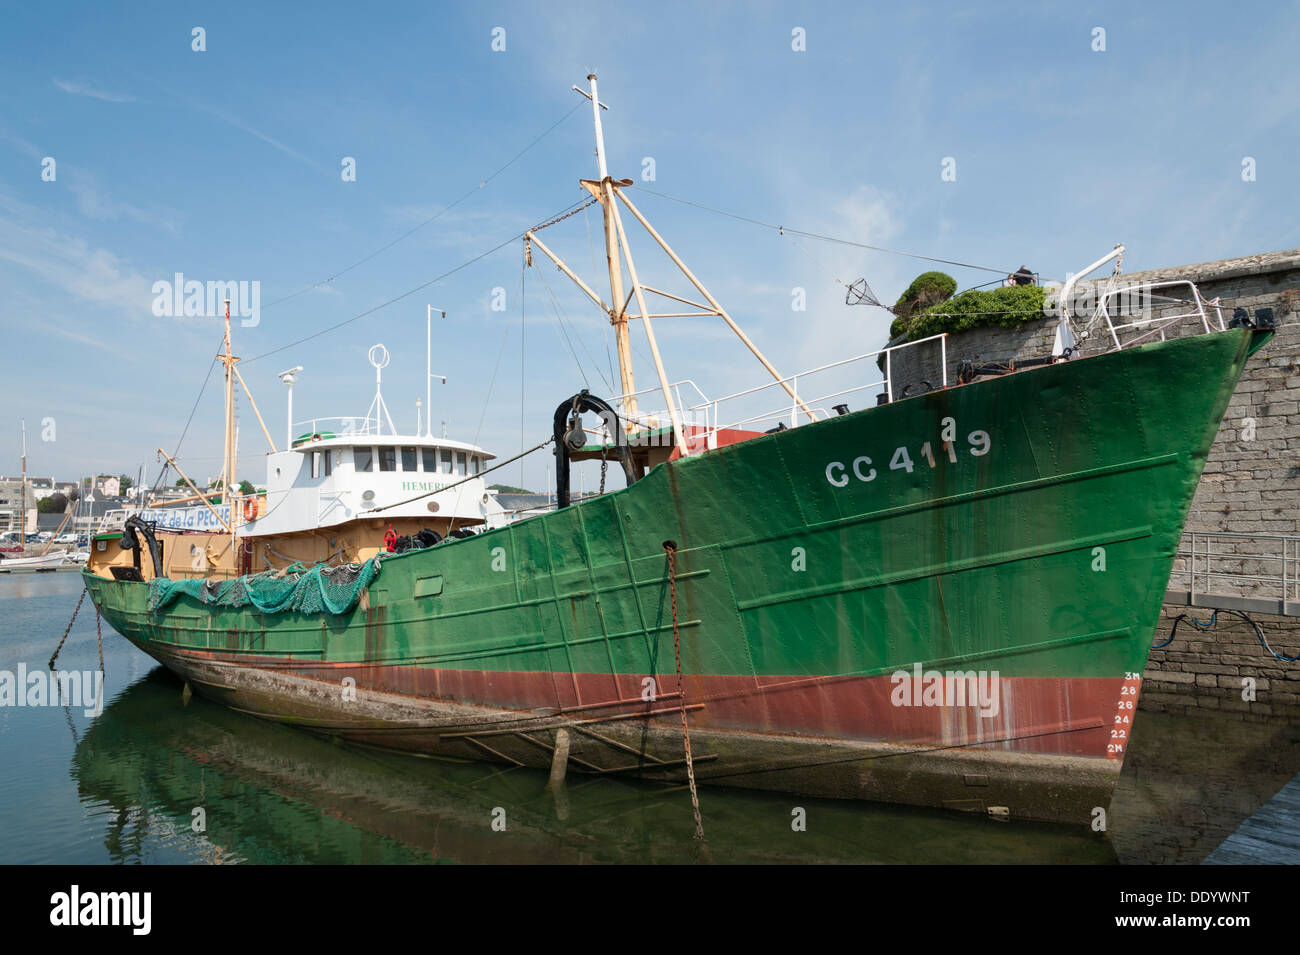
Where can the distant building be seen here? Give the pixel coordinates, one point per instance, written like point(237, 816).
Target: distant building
point(11, 500)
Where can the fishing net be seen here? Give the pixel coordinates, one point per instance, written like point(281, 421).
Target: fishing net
point(297, 588)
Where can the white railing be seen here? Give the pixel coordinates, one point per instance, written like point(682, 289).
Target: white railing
point(341, 426)
point(814, 390)
point(1160, 312)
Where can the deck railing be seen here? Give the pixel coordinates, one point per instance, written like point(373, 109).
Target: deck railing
point(819, 393)
point(1238, 571)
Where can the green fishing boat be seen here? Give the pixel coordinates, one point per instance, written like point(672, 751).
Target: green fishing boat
point(944, 600)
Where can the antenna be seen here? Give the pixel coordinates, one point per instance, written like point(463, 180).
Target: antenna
point(428, 369)
point(379, 359)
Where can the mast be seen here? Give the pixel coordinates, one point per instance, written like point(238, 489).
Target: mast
point(428, 370)
point(228, 468)
point(22, 495)
point(618, 300)
point(609, 193)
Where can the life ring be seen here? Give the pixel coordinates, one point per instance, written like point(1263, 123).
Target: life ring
point(390, 539)
point(250, 508)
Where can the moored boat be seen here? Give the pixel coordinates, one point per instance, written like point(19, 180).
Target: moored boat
point(945, 600)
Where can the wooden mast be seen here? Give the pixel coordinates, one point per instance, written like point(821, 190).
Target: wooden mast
point(22, 496)
point(609, 193)
point(618, 301)
point(228, 453)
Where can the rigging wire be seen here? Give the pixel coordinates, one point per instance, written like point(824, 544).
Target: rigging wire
point(564, 335)
point(397, 298)
point(591, 246)
point(523, 353)
point(569, 331)
point(784, 230)
point(517, 156)
point(495, 368)
point(184, 431)
point(432, 218)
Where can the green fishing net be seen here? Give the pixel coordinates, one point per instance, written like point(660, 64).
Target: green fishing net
point(298, 588)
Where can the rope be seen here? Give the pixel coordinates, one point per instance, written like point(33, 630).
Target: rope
point(382, 305)
point(67, 630)
point(1212, 624)
point(671, 548)
point(466, 480)
point(432, 218)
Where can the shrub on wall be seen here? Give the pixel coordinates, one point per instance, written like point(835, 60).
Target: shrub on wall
point(927, 289)
point(1008, 307)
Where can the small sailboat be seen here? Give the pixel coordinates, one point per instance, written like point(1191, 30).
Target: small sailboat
point(37, 563)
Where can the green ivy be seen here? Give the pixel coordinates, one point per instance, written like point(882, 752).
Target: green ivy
point(1008, 307)
point(927, 289)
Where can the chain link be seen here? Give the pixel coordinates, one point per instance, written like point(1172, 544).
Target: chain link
point(546, 225)
point(671, 549)
point(68, 630)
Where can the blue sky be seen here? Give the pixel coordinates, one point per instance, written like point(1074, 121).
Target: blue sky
point(225, 165)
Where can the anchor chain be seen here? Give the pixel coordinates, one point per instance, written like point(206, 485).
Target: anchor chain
point(671, 548)
point(67, 630)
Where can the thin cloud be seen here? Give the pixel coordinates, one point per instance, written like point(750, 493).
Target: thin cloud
point(83, 89)
point(235, 121)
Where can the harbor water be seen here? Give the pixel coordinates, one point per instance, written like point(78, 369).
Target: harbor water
point(157, 776)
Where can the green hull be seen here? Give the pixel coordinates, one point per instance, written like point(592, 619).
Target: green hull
point(823, 575)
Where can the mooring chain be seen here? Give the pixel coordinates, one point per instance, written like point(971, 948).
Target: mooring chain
point(604, 466)
point(671, 548)
point(68, 630)
point(99, 639)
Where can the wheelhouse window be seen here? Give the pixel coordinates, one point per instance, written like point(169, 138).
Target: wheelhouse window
point(365, 459)
point(430, 456)
point(460, 463)
point(409, 460)
point(475, 462)
point(327, 459)
point(388, 459)
point(315, 464)
point(446, 461)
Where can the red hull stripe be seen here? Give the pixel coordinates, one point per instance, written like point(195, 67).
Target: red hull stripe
point(1069, 716)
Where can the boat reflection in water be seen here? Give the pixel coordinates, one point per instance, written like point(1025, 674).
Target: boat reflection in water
point(272, 794)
